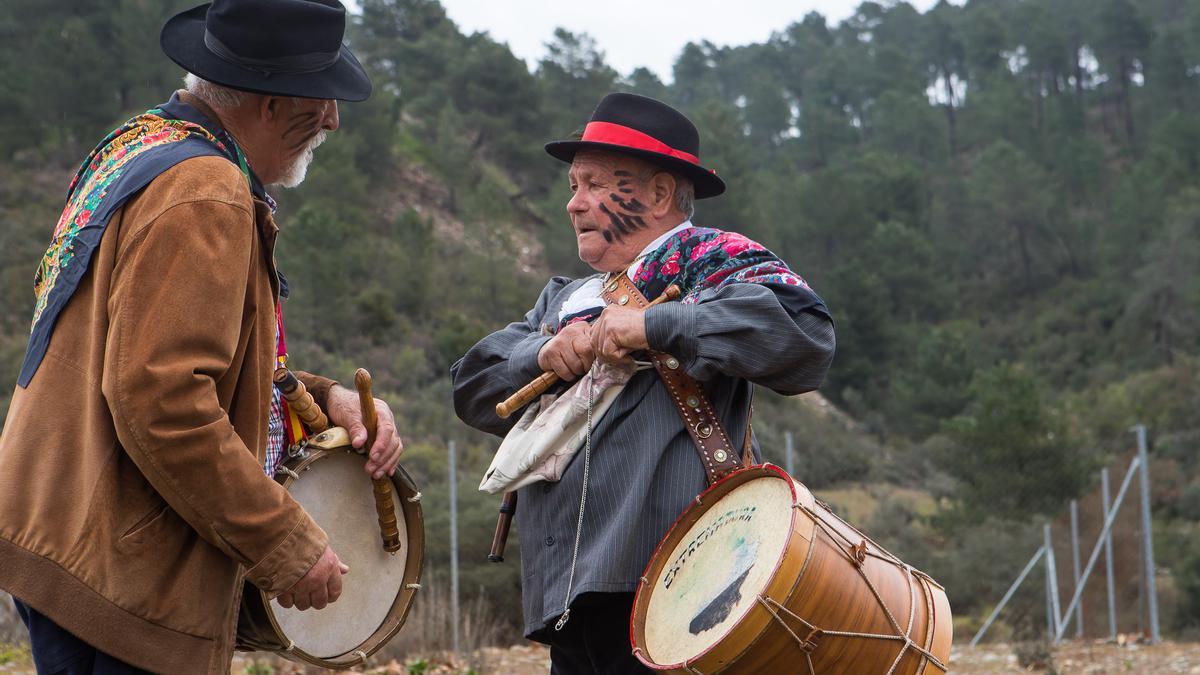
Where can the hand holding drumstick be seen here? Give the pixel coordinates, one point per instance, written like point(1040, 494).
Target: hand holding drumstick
point(618, 332)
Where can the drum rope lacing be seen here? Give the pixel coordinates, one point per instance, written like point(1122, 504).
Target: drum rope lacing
point(587, 465)
point(905, 636)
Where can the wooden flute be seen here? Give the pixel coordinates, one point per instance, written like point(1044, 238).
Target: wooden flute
point(541, 383)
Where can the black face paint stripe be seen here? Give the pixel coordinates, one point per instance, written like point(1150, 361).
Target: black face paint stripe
point(608, 236)
point(633, 205)
point(303, 120)
point(616, 221)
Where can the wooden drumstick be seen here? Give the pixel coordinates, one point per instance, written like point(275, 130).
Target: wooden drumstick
point(508, 507)
point(384, 506)
point(526, 394)
point(300, 400)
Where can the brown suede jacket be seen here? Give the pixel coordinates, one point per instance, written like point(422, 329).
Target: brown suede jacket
point(132, 495)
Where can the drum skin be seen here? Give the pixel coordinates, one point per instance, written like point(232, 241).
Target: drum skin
point(816, 587)
point(261, 622)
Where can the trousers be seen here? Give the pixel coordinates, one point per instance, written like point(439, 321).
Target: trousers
point(58, 652)
point(595, 640)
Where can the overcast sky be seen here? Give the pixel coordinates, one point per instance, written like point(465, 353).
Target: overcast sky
point(634, 33)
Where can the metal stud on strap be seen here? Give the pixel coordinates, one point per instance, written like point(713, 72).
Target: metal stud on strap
point(719, 455)
point(693, 402)
point(672, 362)
point(623, 300)
point(704, 430)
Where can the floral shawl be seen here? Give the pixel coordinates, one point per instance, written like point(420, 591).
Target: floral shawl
point(120, 166)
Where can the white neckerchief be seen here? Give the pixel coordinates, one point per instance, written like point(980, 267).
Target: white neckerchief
point(588, 295)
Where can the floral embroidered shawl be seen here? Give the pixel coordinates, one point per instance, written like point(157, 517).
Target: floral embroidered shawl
point(121, 165)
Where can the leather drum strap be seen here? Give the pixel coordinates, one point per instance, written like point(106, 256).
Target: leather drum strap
point(712, 444)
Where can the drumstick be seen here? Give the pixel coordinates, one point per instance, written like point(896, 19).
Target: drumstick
point(547, 379)
point(300, 400)
point(508, 506)
point(388, 529)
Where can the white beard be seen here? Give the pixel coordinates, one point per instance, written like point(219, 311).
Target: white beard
point(294, 175)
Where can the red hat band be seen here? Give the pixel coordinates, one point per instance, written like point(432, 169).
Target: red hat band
point(617, 134)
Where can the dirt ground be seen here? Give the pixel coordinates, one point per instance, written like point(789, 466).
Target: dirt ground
point(1069, 659)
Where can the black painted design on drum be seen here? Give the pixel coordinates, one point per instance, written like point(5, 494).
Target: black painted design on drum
point(718, 610)
point(744, 514)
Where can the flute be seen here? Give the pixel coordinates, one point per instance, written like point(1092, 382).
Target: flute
point(542, 382)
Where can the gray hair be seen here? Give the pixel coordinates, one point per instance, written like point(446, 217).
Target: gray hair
point(685, 195)
point(685, 190)
point(218, 96)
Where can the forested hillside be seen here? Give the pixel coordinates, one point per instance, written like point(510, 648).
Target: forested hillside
point(1000, 203)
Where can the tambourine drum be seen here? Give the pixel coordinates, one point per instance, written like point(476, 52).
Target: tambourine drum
point(757, 576)
point(328, 480)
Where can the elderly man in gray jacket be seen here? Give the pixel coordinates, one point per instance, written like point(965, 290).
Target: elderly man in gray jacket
point(745, 318)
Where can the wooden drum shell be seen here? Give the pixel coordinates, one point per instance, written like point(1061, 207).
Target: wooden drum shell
point(816, 580)
point(258, 629)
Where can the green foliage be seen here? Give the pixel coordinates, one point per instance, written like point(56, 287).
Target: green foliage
point(257, 667)
point(1188, 579)
point(1011, 455)
point(986, 183)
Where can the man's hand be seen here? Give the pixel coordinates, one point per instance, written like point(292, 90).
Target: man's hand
point(568, 354)
point(344, 411)
point(618, 332)
point(320, 586)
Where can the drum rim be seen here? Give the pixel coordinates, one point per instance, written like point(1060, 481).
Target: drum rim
point(755, 614)
point(414, 564)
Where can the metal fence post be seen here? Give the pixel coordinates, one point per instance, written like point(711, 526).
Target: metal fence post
point(1108, 523)
point(791, 469)
point(454, 546)
point(1075, 565)
point(1147, 534)
point(1108, 560)
point(1008, 595)
point(1052, 584)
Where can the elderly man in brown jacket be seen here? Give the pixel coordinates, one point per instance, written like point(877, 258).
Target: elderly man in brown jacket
point(135, 479)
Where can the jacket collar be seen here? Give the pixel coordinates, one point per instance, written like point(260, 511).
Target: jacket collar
point(186, 106)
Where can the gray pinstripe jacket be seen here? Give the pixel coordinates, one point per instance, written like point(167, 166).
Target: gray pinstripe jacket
point(644, 467)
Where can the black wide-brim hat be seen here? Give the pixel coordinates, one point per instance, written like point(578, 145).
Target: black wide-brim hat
point(276, 47)
point(647, 129)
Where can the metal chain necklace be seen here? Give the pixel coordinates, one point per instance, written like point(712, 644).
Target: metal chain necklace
point(587, 464)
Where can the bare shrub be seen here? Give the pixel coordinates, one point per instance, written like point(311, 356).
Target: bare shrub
point(429, 629)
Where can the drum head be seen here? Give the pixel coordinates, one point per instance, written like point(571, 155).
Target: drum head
point(715, 572)
point(337, 493)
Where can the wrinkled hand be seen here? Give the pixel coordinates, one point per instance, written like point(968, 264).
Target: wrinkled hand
point(321, 585)
point(568, 354)
point(344, 411)
point(619, 332)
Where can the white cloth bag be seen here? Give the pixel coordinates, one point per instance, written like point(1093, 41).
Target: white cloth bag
point(553, 428)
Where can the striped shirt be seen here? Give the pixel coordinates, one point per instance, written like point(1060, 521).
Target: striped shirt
point(644, 468)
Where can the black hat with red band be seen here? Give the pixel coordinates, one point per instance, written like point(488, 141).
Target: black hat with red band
point(648, 129)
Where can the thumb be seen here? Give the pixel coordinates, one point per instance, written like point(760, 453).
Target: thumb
point(345, 569)
point(358, 434)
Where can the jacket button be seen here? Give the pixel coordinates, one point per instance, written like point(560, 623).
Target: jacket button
point(549, 541)
point(546, 488)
